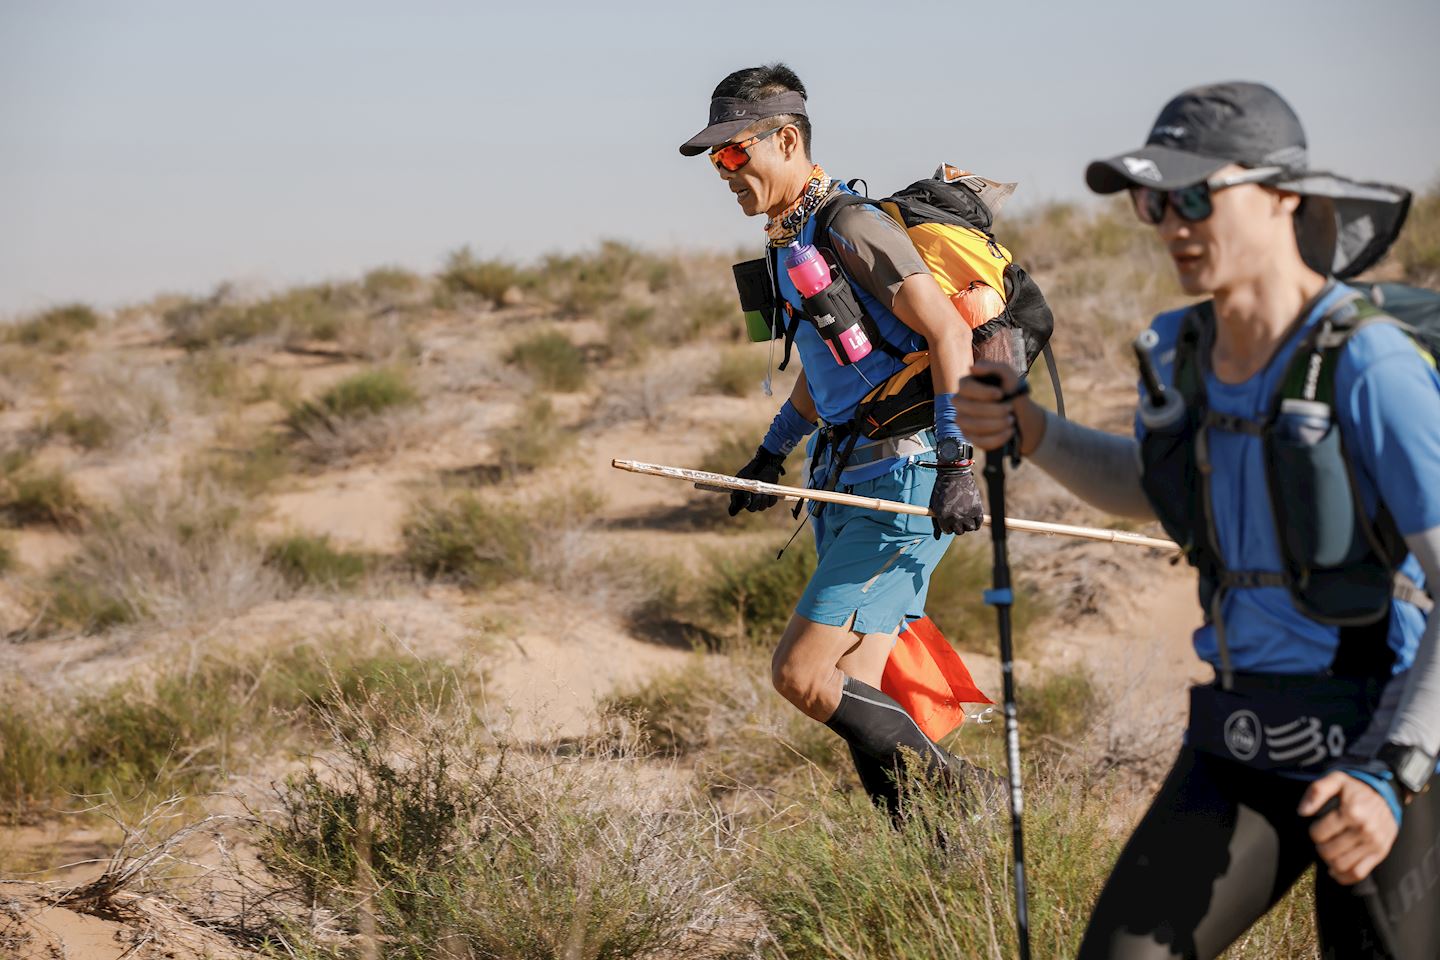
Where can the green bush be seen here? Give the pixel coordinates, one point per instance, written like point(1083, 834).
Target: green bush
point(490, 280)
point(593, 283)
point(739, 372)
point(534, 438)
point(306, 561)
point(361, 395)
point(180, 730)
point(754, 594)
point(31, 495)
point(252, 471)
point(452, 845)
point(481, 542)
point(88, 431)
point(384, 282)
point(77, 601)
point(552, 359)
point(55, 329)
point(304, 313)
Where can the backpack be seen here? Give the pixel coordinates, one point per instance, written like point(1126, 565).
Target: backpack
point(1340, 567)
point(948, 219)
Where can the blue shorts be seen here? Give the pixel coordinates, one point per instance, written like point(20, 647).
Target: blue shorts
point(872, 565)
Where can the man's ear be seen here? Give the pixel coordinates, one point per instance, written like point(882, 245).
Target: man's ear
point(1288, 203)
point(790, 142)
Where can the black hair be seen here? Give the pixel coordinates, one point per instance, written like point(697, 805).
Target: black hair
point(759, 83)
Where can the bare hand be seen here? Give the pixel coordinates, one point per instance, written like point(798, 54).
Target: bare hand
point(1356, 837)
point(988, 419)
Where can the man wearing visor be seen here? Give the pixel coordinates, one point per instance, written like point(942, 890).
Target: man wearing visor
point(1288, 436)
point(874, 568)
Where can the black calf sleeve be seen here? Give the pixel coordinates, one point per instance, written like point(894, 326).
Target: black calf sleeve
point(878, 781)
point(875, 725)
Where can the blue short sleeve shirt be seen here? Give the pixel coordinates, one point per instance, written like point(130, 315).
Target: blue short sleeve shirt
point(1387, 402)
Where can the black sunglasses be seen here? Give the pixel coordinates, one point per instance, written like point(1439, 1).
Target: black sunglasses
point(1192, 203)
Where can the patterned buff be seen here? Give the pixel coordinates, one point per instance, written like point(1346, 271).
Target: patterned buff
point(786, 227)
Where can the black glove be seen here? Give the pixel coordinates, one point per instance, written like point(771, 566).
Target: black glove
point(955, 501)
point(764, 466)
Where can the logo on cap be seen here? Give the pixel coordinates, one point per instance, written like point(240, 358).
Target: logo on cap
point(1141, 167)
point(1169, 132)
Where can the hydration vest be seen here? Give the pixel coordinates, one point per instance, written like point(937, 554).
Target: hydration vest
point(1339, 566)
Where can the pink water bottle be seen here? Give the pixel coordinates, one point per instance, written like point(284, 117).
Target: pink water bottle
point(830, 305)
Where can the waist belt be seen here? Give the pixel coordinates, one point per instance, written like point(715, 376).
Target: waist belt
point(1281, 722)
point(890, 448)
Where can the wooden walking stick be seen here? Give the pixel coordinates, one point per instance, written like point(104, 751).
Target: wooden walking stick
point(721, 482)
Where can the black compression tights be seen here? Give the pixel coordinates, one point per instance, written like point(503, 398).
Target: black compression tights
point(1220, 845)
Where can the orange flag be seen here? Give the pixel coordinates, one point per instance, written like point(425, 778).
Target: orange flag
point(927, 677)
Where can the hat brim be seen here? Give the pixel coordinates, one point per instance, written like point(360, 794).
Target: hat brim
point(1163, 168)
point(1345, 226)
point(714, 135)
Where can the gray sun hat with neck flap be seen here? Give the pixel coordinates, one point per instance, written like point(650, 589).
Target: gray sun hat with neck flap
point(1343, 227)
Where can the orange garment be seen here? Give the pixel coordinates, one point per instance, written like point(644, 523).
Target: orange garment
point(927, 677)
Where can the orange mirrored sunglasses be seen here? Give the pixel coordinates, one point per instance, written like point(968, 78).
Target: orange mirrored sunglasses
point(733, 156)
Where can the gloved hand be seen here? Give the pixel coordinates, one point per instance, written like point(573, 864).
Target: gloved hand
point(955, 501)
point(765, 466)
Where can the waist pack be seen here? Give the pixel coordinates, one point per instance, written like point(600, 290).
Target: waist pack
point(1282, 722)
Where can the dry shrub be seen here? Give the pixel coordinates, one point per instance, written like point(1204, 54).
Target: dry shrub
point(423, 838)
point(184, 727)
point(54, 330)
point(1418, 249)
point(31, 494)
point(645, 392)
point(491, 281)
point(368, 413)
point(552, 359)
point(115, 403)
point(739, 372)
point(174, 555)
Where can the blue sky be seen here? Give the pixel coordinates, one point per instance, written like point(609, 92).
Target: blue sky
point(167, 146)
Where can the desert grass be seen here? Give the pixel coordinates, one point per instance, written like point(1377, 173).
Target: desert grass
point(177, 554)
point(313, 561)
point(552, 360)
point(55, 330)
point(369, 413)
point(182, 729)
point(31, 494)
point(739, 372)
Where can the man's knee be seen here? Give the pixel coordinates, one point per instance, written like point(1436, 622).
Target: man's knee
point(801, 685)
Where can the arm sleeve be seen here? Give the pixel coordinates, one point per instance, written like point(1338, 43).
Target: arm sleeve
point(874, 251)
point(1409, 710)
point(1103, 469)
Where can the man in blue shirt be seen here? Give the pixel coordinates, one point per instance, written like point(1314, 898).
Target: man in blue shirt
point(874, 568)
point(1318, 738)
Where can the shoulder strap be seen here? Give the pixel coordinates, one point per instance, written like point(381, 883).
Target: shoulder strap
point(825, 216)
point(1196, 329)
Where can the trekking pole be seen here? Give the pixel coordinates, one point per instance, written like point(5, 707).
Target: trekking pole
point(1001, 597)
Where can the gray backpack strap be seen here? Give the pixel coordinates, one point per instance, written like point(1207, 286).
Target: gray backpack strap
point(1054, 379)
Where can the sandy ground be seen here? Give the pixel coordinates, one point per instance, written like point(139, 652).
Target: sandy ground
point(546, 658)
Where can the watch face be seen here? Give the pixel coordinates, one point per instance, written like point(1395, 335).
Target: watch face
point(948, 450)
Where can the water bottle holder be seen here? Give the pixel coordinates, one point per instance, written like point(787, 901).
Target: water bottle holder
point(845, 318)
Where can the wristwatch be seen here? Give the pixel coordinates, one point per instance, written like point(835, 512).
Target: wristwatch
point(1412, 767)
point(950, 452)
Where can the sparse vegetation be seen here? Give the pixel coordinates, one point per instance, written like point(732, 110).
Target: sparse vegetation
point(31, 494)
point(481, 542)
point(306, 561)
point(180, 730)
point(754, 594)
point(181, 555)
point(1418, 249)
point(533, 438)
point(87, 431)
point(956, 600)
point(739, 372)
point(552, 359)
point(489, 280)
point(54, 330)
point(360, 414)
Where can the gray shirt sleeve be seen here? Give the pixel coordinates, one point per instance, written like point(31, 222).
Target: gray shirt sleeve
point(1103, 469)
point(874, 251)
point(1409, 710)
